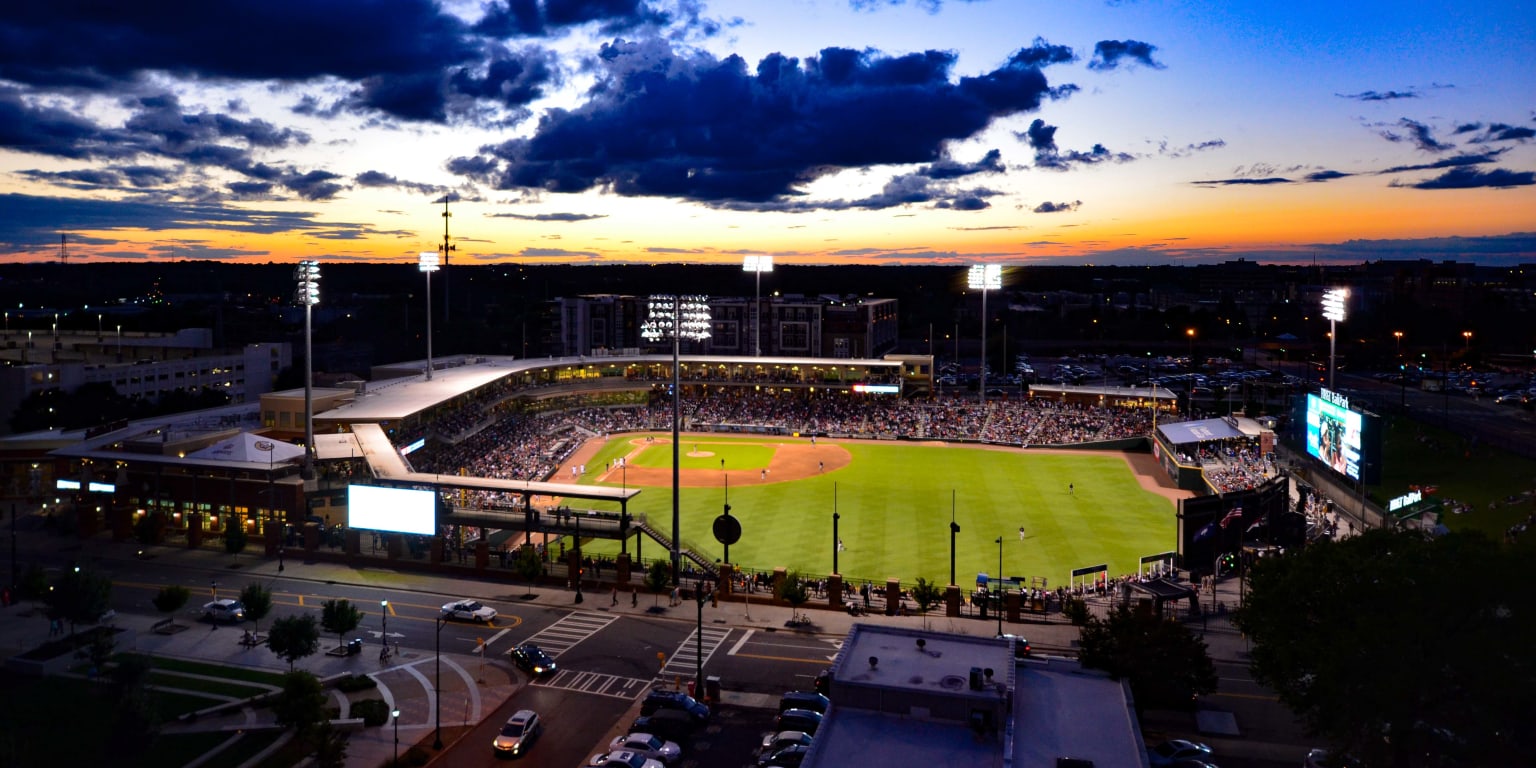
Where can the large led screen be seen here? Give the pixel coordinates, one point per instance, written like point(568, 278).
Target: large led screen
point(1334, 436)
point(399, 510)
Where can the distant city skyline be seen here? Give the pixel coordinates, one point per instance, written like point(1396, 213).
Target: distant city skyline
point(818, 131)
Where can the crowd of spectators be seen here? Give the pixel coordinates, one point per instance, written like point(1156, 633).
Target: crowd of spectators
point(1235, 466)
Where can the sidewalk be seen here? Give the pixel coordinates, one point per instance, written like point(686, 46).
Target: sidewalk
point(470, 689)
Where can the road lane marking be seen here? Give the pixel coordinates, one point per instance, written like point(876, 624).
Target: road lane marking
point(739, 643)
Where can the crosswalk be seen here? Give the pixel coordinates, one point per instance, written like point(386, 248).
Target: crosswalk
point(564, 634)
point(682, 663)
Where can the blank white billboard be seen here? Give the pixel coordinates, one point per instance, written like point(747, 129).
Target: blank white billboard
point(399, 510)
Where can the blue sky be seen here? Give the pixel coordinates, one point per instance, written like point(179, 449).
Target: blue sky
point(818, 131)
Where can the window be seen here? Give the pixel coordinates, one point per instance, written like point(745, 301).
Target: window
point(795, 336)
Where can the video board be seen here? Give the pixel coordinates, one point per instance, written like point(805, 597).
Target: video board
point(1344, 439)
point(399, 510)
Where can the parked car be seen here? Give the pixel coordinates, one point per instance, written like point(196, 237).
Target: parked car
point(805, 700)
point(224, 610)
point(647, 744)
point(624, 760)
point(469, 610)
point(670, 724)
point(532, 659)
point(1021, 647)
point(1166, 754)
point(518, 735)
point(660, 699)
point(798, 720)
point(774, 742)
point(788, 757)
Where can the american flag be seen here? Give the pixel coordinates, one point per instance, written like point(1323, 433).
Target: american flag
point(1235, 516)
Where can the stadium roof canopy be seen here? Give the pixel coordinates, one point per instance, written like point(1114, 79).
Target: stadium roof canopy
point(1185, 432)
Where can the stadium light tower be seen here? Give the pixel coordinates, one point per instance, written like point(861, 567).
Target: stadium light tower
point(307, 275)
point(984, 277)
point(676, 317)
point(757, 265)
point(428, 265)
point(1333, 309)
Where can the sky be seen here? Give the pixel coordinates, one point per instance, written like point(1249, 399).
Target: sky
point(814, 131)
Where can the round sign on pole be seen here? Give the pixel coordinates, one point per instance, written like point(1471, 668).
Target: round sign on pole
point(727, 530)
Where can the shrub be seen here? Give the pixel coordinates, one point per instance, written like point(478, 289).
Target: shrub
point(372, 711)
point(1076, 610)
point(352, 683)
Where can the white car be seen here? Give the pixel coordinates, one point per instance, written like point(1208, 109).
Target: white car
point(622, 759)
point(521, 730)
point(469, 610)
point(648, 745)
point(224, 610)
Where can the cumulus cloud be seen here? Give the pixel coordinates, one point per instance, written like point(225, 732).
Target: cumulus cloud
point(1109, 54)
point(680, 123)
point(1417, 134)
point(380, 179)
point(1050, 207)
point(1042, 138)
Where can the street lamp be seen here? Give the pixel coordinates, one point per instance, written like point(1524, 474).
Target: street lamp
point(954, 528)
point(1190, 332)
point(676, 317)
point(384, 632)
point(428, 265)
point(1466, 340)
point(437, 685)
point(984, 277)
point(999, 585)
point(757, 265)
point(394, 715)
point(835, 517)
point(1398, 335)
point(1333, 310)
point(698, 648)
point(280, 557)
point(727, 504)
point(307, 274)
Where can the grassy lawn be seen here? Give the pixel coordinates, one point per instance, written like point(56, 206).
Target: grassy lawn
point(894, 501)
point(183, 748)
point(215, 670)
point(1415, 454)
point(214, 687)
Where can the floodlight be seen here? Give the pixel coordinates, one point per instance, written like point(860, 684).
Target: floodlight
point(1333, 304)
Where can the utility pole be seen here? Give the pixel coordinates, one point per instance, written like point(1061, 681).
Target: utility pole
point(446, 248)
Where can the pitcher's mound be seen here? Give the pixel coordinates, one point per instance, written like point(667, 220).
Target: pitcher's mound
point(699, 454)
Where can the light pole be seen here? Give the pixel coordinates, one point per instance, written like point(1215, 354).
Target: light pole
point(437, 685)
point(1190, 332)
point(676, 317)
point(394, 715)
point(698, 647)
point(428, 265)
point(384, 632)
point(280, 557)
point(835, 517)
point(1466, 342)
point(999, 585)
point(1333, 310)
point(576, 553)
point(757, 265)
point(1402, 372)
point(727, 503)
point(954, 528)
point(984, 277)
point(307, 274)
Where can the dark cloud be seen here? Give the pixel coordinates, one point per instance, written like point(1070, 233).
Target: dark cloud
point(1419, 134)
point(1502, 132)
point(947, 168)
point(1457, 161)
point(931, 6)
point(246, 190)
point(377, 179)
point(1379, 95)
point(1108, 54)
point(315, 185)
point(1050, 207)
point(1041, 53)
point(1327, 175)
point(1467, 128)
point(524, 18)
point(1188, 149)
point(1041, 137)
point(52, 131)
point(683, 124)
point(1243, 181)
point(1471, 178)
point(911, 189)
point(569, 217)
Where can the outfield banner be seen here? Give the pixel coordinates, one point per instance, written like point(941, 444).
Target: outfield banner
point(1092, 569)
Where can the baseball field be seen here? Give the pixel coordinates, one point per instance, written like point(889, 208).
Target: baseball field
point(894, 501)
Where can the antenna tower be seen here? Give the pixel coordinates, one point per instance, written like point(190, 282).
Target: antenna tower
point(63, 248)
point(445, 249)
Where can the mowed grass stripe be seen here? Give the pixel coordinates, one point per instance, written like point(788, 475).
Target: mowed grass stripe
point(894, 503)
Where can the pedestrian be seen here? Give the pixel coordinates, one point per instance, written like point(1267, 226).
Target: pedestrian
point(813, 441)
point(1070, 489)
point(821, 466)
point(840, 546)
point(675, 599)
point(1021, 533)
point(634, 598)
point(583, 469)
point(765, 473)
point(615, 594)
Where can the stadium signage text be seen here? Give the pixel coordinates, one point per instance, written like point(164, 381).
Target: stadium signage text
point(1331, 396)
point(1413, 497)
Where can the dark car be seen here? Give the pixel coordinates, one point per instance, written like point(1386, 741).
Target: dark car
point(823, 683)
point(657, 700)
point(532, 659)
point(670, 724)
point(805, 700)
point(788, 757)
point(798, 720)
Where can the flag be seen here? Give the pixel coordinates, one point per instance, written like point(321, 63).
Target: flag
point(1205, 533)
point(1264, 518)
point(1235, 516)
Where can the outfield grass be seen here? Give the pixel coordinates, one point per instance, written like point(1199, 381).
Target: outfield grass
point(894, 501)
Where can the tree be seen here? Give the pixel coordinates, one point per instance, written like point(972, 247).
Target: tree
point(301, 703)
point(1403, 649)
point(150, 529)
point(34, 583)
point(170, 599)
point(657, 579)
point(235, 539)
point(927, 595)
point(529, 566)
point(340, 617)
point(1165, 664)
point(294, 637)
point(258, 603)
point(792, 590)
point(81, 596)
